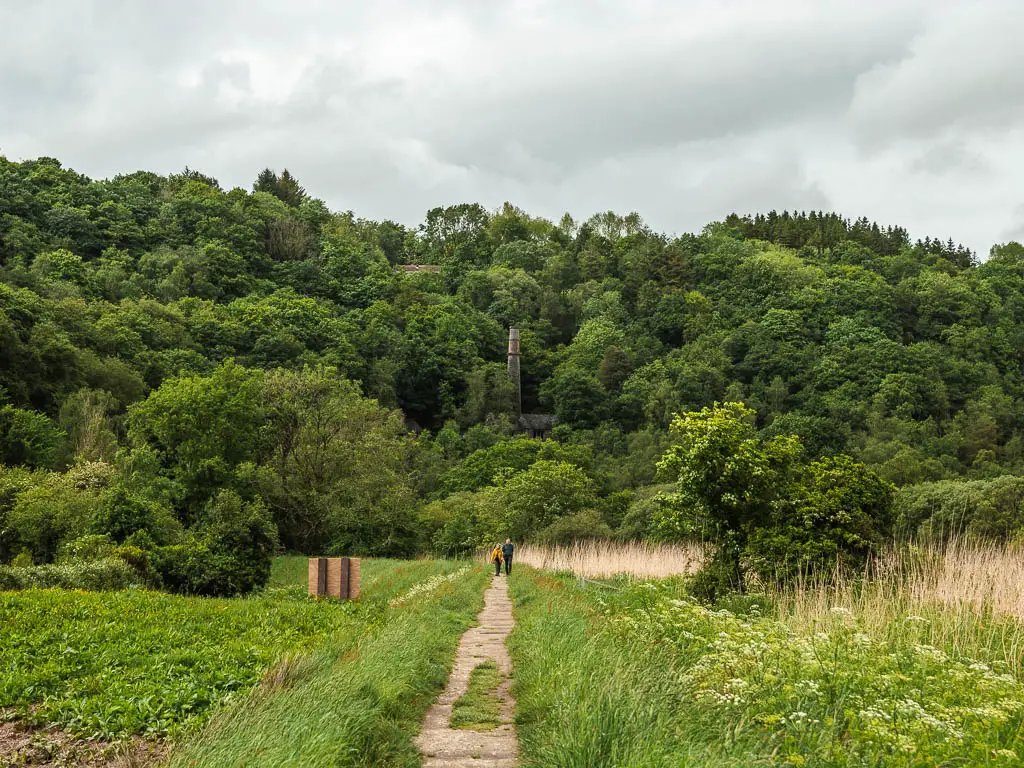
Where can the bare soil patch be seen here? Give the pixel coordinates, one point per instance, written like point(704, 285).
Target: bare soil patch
point(52, 748)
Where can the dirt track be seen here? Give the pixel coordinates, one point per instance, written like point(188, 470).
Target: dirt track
point(443, 747)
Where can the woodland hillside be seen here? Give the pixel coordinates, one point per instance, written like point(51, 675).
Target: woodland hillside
point(189, 372)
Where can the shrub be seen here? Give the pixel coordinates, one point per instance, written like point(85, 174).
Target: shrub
point(458, 524)
point(136, 557)
point(189, 568)
point(13, 481)
point(93, 546)
point(108, 574)
point(458, 536)
point(579, 527)
point(228, 554)
point(23, 560)
point(243, 537)
point(45, 516)
point(124, 513)
point(142, 540)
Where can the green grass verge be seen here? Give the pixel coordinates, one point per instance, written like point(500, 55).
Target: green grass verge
point(351, 704)
point(644, 677)
point(106, 665)
point(479, 708)
point(291, 571)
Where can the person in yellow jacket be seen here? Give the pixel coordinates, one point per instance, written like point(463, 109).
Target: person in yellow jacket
point(496, 559)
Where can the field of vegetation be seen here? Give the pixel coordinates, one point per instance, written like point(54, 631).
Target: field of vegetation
point(793, 442)
point(914, 668)
point(109, 665)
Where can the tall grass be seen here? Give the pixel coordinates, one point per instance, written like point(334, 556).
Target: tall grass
point(960, 575)
point(584, 703)
point(982, 576)
point(599, 559)
point(645, 677)
point(966, 598)
point(354, 701)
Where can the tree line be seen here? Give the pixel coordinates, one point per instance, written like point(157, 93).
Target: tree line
point(189, 372)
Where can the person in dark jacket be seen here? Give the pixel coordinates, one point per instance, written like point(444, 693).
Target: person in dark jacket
point(506, 552)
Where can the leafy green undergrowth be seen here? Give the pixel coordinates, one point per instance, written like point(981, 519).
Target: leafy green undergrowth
point(351, 705)
point(105, 665)
point(645, 677)
point(479, 708)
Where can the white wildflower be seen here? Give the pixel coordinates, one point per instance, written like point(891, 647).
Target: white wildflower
point(429, 585)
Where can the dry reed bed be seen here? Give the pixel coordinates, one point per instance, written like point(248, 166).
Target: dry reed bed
point(962, 576)
point(601, 559)
point(980, 576)
point(967, 598)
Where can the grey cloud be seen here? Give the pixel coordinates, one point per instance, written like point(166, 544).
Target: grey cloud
point(682, 111)
point(951, 156)
point(671, 90)
point(1016, 230)
point(963, 70)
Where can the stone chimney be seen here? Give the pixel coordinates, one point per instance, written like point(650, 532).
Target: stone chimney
point(513, 367)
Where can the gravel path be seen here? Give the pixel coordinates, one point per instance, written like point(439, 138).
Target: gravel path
point(443, 747)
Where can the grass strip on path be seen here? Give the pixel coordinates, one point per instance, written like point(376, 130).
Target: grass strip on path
point(355, 705)
point(479, 708)
point(644, 677)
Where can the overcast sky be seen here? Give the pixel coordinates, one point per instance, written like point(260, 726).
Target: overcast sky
point(910, 112)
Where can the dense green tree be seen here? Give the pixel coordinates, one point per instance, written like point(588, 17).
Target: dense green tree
point(487, 465)
point(456, 238)
point(29, 438)
point(730, 481)
point(543, 494)
point(202, 428)
point(336, 472)
point(284, 187)
point(575, 396)
point(839, 514)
